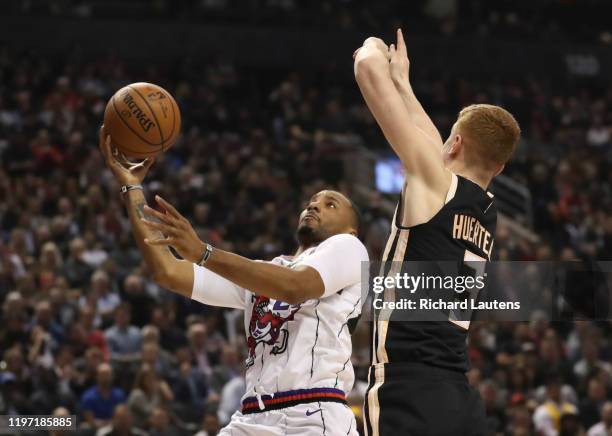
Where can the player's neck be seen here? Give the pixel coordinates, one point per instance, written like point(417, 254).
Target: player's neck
point(301, 249)
point(480, 178)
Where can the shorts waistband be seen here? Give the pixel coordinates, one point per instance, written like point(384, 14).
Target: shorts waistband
point(414, 370)
point(282, 400)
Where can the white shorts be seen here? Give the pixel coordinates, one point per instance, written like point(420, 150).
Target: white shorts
point(310, 419)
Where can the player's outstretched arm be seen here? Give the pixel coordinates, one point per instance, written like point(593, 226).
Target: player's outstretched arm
point(419, 154)
point(159, 260)
point(400, 74)
point(292, 286)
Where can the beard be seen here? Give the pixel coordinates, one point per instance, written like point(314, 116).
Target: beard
point(307, 236)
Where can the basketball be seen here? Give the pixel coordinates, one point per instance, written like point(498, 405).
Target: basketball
point(142, 119)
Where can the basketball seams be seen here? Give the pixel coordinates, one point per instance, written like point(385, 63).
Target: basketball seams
point(133, 153)
point(161, 134)
point(142, 146)
point(128, 124)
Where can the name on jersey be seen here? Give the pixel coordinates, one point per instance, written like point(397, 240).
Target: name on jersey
point(468, 228)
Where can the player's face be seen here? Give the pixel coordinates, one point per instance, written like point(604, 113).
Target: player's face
point(327, 213)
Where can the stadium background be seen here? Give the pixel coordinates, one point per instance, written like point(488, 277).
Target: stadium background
point(271, 113)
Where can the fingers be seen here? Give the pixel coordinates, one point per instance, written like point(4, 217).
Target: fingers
point(167, 206)
point(162, 227)
point(160, 241)
point(165, 218)
point(355, 52)
point(401, 44)
point(392, 51)
point(148, 162)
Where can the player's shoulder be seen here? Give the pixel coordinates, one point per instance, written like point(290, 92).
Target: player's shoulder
point(344, 242)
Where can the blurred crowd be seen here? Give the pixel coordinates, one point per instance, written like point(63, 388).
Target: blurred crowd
point(545, 20)
point(84, 330)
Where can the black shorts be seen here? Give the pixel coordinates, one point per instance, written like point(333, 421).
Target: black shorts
point(413, 399)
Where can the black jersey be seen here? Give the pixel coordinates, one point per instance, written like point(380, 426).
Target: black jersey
point(463, 230)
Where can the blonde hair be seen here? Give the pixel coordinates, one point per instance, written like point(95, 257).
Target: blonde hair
point(491, 133)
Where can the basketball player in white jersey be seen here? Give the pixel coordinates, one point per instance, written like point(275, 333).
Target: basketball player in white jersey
point(297, 309)
point(417, 379)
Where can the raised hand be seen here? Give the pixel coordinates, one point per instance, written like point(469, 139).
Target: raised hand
point(125, 173)
point(180, 235)
point(399, 62)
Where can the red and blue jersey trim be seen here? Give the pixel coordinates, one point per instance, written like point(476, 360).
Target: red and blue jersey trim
point(282, 400)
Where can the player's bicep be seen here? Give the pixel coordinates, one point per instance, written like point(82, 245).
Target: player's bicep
point(414, 148)
point(214, 290)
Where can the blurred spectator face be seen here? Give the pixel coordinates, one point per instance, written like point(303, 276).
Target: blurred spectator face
point(93, 358)
point(133, 284)
point(606, 414)
point(87, 316)
point(229, 356)
point(159, 318)
point(488, 393)
point(210, 424)
point(122, 316)
point(43, 313)
point(553, 390)
point(183, 355)
point(150, 333)
point(77, 248)
point(104, 376)
point(549, 350)
point(122, 419)
point(570, 425)
point(14, 360)
point(590, 350)
point(474, 377)
point(596, 391)
point(99, 282)
point(150, 352)
point(159, 419)
point(50, 256)
point(13, 303)
point(197, 335)
point(521, 418)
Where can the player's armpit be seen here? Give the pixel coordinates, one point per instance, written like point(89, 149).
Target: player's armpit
point(419, 155)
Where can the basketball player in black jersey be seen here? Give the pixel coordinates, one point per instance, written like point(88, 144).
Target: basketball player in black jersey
point(417, 383)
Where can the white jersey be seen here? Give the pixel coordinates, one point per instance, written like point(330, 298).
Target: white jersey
point(299, 346)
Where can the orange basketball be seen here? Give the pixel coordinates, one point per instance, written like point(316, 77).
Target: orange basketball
point(142, 119)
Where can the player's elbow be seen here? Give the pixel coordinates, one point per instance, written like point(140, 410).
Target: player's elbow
point(163, 277)
point(301, 287)
point(368, 67)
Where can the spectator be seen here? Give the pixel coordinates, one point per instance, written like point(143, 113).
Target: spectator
point(197, 343)
point(189, 385)
point(592, 405)
point(210, 425)
point(77, 270)
point(231, 395)
point(547, 417)
point(148, 393)
point(124, 340)
point(160, 424)
point(99, 401)
point(603, 427)
point(140, 302)
point(101, 296)
point(121, 424)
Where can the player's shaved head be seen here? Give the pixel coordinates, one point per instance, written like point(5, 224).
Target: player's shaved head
point(327, 213)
